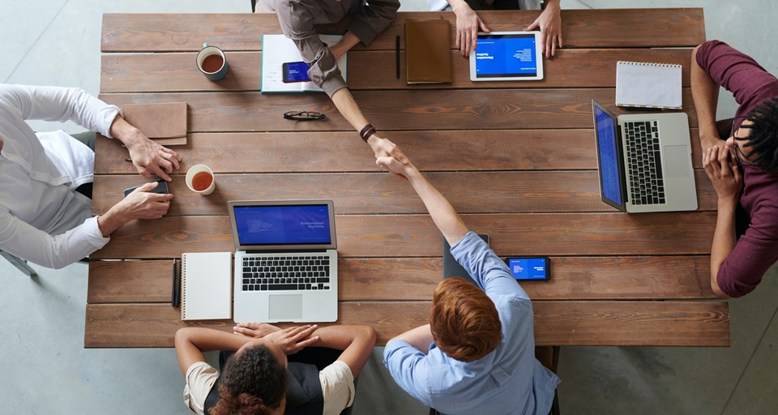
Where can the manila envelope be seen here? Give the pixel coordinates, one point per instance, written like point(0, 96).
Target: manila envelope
point(164, 122)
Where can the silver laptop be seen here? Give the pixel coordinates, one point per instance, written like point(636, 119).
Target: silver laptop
point(286, 265)
point(644, 161)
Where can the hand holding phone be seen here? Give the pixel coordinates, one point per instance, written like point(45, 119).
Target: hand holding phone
point(161, 188)
point(530, 268)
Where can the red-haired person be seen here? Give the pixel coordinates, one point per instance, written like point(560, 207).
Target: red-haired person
point(477, 355)
point(259, 379)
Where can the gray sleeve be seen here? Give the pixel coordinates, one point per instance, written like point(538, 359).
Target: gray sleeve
point(373, 19)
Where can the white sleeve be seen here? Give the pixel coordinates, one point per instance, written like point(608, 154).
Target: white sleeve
point(200, 378)
point(27, 242)
point(61, 104)
point(337, 386)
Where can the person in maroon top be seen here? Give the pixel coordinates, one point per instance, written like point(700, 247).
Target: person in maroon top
point(743, 167)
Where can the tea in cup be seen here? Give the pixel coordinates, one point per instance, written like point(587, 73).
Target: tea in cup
point(200, 179)
point(212, 62)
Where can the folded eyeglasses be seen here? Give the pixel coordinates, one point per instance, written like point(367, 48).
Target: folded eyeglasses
point(303, 115)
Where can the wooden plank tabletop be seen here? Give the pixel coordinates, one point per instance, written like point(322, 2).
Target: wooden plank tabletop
point(516, 159)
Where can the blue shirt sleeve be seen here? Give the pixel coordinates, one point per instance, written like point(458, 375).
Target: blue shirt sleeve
point(487, 269)
point(405, 364)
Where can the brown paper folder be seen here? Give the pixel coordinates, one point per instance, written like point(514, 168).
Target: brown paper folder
point(164, 123)
point(428, 52)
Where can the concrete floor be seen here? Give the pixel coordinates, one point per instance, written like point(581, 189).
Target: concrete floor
point(57, 42)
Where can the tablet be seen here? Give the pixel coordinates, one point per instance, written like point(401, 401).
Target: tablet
point(507, 56)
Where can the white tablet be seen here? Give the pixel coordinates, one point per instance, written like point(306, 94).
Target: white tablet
point(507, 56)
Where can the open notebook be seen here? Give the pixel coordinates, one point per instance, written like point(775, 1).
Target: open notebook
point(206, 286)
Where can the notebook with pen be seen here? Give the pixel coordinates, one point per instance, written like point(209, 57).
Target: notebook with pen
point(206, 286)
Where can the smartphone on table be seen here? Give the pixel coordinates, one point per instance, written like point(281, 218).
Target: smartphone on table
point(161, 188)
point(295, 72)
point(529, 268)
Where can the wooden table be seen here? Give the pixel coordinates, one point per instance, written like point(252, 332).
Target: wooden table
point(516, 159)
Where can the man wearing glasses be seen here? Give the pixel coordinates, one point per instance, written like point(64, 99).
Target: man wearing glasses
point(742, 167)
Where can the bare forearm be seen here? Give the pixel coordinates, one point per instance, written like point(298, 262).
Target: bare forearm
point(357, 343)
point(420, 337)
point(125, 132)
point(723, 241)
point(443, 214)
point(705, 94)
point(457, 4)
point(348, 41)
point(191, 342)
point(112, 220)
point(349, 109)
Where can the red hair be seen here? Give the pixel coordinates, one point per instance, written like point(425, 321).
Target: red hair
point(464, 321)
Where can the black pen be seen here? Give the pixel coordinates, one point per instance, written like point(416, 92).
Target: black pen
point(397, 56)
point(176, 284)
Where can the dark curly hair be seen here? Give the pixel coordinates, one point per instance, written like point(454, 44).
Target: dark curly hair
point(763, 140)
point(252, 382)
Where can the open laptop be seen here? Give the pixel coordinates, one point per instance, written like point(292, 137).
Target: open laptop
point(285, 261)
point(644, 161)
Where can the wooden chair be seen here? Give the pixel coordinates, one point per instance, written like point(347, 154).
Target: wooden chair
point(19, 263)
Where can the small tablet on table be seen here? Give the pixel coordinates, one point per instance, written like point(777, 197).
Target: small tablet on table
point(507, 56)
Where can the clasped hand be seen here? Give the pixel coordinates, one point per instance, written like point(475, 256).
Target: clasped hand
point(722, 171)
point(291, 340)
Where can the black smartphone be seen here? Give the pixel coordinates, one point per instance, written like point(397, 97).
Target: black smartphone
point(161, 188)
point(295, 72)
point(529, 268)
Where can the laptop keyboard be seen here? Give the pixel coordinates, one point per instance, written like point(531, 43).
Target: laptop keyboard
point(267, 273)
point(644, 161)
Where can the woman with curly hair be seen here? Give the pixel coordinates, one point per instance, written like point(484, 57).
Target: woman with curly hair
point(258, 378)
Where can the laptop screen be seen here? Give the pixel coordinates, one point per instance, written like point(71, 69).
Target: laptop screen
point(283, 225)
point(608, 156)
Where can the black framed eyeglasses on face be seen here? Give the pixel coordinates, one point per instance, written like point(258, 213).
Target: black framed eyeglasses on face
point(304, 115)
point(740, 157)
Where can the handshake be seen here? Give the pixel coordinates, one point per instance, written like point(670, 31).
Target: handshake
point(390, 158)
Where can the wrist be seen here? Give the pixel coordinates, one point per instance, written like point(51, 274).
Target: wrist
point(367, 132)
point(727, 202)
point(112, 220)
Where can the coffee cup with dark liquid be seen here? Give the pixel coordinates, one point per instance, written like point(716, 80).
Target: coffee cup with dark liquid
point(200, 179)
point(212, 63)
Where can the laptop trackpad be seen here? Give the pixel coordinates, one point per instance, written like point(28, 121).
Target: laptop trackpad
point(287, 307)
point(676, 159)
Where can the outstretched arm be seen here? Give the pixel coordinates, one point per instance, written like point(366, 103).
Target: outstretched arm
point(443, 214)
point(349, 109)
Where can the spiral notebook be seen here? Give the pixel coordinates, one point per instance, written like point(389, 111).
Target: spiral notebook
point(648, 85)
point(206, 286)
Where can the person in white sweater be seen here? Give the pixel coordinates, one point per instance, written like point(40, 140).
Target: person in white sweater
point(45, 217)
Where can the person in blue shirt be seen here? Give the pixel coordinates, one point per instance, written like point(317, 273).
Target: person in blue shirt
point(477, 355)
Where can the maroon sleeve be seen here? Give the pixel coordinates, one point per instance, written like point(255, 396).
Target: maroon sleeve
point(738, 73)
point(753, 255)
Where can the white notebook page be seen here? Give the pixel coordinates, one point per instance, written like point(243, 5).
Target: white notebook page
point(650, 85)
point(206, 289)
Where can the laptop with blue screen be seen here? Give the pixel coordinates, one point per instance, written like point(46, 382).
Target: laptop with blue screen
point(285, 261)
point(644, 161)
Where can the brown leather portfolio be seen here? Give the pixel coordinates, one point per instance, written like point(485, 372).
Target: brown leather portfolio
point(164, 122)
point(427, 52)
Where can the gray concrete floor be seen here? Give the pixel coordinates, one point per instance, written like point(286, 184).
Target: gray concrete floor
point(57, 42)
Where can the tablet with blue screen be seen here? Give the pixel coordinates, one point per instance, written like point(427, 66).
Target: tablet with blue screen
point(507, 56)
